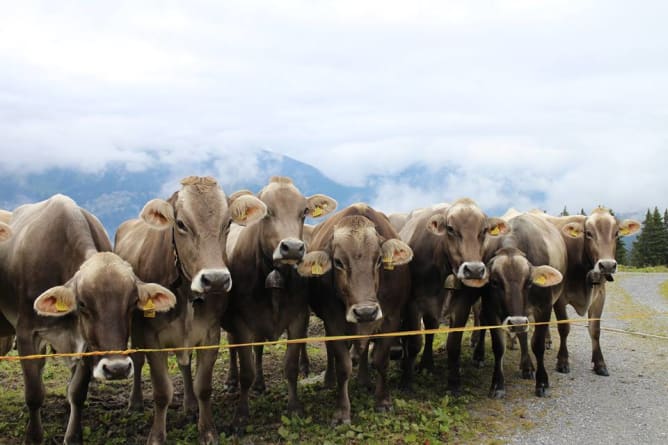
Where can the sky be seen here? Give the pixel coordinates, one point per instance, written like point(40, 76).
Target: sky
point(514, 103)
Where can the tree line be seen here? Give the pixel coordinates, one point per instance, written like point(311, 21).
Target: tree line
point(650, 248)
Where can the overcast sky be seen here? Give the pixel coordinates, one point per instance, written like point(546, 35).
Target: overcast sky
point(524, 103)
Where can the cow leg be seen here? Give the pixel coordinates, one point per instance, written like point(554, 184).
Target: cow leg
point(232, 382)
point(564, 329)
point(33, 385)
point(297, 329)
point(247, 376)
point(479, 349)
point(498, 388)
point(163, 391)
point(259, 386)
point(427, 359)
point(77, 390)
point(330, 371)
point(381, 361)
point(412, 345)
point(538, 346)
point(526, 364)
point(189, 400)
point(136, 396)
point(595, 312)
point(206, 359)
point(344, 368)
point(460, 313)
point(304, 364)
point(548, 339)
point(362, 351)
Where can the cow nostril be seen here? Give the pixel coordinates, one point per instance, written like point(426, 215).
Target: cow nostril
point(301, 248)
point(206, 282)
point(284, 247)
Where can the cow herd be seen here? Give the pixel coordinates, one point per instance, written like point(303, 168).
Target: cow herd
point(201, 261)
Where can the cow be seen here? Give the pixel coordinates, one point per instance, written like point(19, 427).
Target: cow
point(180, 243)
point(358, 284)
point(591, 242)
point(269, 296)
point(6, 342)
point(61, 285)
point(526, 268)
point(448, 241)
point(398, 220)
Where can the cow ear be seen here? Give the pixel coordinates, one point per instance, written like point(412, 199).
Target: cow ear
point(628, 227)
point(546, 276)
point(158, 214)
point(247, 209)
point(5, 231)
point(235, 195)
point(573, 230)
point(55, 302)
point(320, 205)
point(395, 253)
point(436, 224)
point(153, 297)
point(314, 264)
point(497, 227)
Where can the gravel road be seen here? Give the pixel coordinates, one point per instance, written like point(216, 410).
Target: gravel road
point(629, 406)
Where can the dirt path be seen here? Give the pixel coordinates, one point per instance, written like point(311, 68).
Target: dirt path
point(631, 405)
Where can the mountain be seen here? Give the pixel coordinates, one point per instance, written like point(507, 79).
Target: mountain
point(117, 193)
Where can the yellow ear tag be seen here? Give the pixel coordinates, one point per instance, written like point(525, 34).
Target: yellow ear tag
point(243, 215)
point(61, 306)
point(495, 231)
point(388, 264)
point(316, 269)
point(574, 233)
point(316, 212)
point(624, 231)
point(540, 280)
point(149, 309)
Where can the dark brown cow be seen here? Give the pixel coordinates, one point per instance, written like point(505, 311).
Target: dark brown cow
point(448, 241)
point(57, 242)
point(360, 286)
point(591, 242)
point(269, 296)
point(526, 267)
point(181, 243)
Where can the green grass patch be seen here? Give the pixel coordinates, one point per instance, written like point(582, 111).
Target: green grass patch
point(649, 269)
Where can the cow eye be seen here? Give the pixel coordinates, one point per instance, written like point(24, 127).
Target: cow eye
point(450, 230)
point(181, 225)
point(528, 284)
point(81, 307)
point(379, 261)
point(589, 234)
point(306, 211)
point(338, 263)
point(617, 234)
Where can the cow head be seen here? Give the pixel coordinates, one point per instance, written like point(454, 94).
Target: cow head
point(599, 232)
point(102, 295)
point(358, 256)
point(465, 227)
point(281, 230)
point(511, 277)
point(5, 231)
point(200, 216)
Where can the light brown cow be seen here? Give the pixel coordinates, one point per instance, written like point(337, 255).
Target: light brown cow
point(591, 242)
point(365, 291)
point(61, 286)
point(448, 240)
point(180, 243)
point(269, 297)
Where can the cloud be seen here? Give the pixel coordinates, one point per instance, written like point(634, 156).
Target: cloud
point(540, 104)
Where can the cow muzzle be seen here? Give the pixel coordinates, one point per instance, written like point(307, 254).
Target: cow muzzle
point(517, 324)
point(211, 280)
point(289, 251)
point(115, 368)
point(473, 273)
point(606, 267)
point(364, 313)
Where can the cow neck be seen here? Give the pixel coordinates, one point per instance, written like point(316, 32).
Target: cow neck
point(179, 266)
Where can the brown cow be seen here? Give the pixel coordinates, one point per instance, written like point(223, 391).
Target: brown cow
point(57, 242)
point(269, 296)
point(360, 285)
point(591, 242)
point(526, 267)
point(6, 342)
point(180, 243)
point(448, 240)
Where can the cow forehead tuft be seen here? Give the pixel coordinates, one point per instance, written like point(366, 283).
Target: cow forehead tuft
point(206, 181)
point(354, 223)
point(280, 180)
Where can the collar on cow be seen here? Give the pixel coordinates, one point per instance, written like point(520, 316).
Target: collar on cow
point(452, 282)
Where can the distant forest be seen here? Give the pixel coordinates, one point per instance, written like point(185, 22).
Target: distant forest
point(650, 248)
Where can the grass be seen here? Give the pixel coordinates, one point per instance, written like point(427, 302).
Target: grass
point(649, 269)
point(428, 415)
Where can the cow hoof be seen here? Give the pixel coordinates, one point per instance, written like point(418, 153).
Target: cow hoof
point(76, 439)
point(237, 429)
point(541, 391)
point(497, 393)
point(136, 406)
point(601, 370)
point(563, 368)
point(340, 419)
point(209, 438)
point(426, 367)
point(548, 345)
point(231, 387)
point(528, 374)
